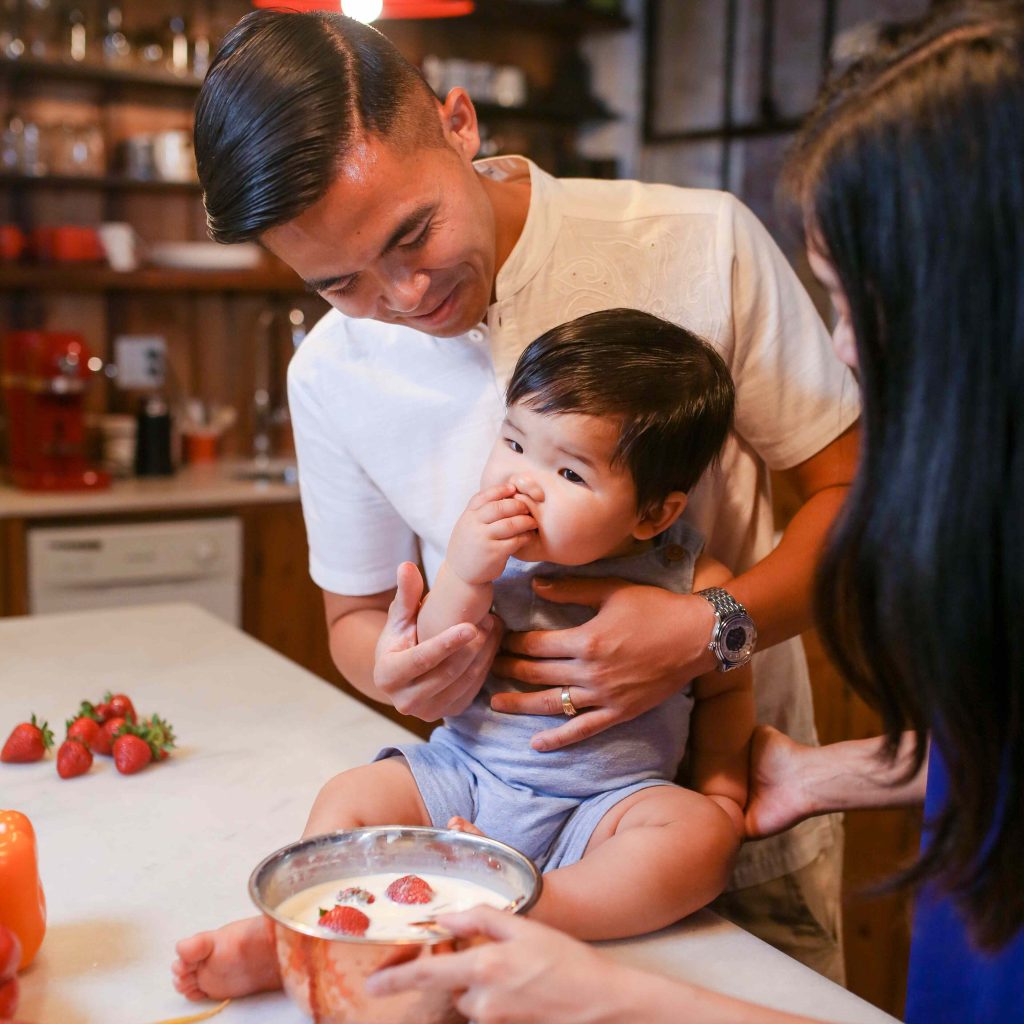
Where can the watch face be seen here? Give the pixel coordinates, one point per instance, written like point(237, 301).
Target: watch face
point(737, 639)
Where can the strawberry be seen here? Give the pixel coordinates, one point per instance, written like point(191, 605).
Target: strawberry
point(120, 706)
point(28, 741)
point(10, 953)
point(82, 728)
point(101, 711)
point(409, 889)
point(73, 758)
point(131, 753)
point(354, 894)
point(160, 736)
point(103, 741)
point(345, 920)
point(135, 744)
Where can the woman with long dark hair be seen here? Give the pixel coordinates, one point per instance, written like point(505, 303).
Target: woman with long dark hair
point(910, 180)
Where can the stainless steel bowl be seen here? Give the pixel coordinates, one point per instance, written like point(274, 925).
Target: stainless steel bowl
point(324, 974)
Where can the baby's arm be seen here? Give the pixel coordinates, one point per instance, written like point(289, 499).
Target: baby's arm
point(722, 722)
point(495, 525)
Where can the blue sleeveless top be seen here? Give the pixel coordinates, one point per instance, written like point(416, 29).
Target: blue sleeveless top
point(950, 981)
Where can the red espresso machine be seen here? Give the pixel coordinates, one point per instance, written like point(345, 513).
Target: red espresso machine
point(44, 375)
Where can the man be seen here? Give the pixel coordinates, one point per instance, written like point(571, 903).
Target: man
point(315, 137)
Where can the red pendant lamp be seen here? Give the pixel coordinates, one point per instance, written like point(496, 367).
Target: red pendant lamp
point(390, 8)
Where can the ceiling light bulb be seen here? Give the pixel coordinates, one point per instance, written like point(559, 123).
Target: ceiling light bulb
point(362, 10)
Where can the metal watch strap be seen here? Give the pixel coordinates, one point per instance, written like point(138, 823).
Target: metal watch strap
point(722, 601)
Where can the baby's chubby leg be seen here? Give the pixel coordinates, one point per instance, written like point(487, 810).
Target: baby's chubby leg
point(238, 959)
point(655, 857)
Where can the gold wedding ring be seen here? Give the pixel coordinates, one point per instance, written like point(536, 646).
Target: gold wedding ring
point(568, 708)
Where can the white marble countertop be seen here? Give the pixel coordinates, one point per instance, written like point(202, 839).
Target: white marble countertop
point(202, 486)
point(130, 864)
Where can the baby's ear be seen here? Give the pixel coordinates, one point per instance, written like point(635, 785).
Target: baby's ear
point(660, 517)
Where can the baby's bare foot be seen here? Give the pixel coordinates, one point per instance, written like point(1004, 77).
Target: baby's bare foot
point(235, 960)
point(458, 824)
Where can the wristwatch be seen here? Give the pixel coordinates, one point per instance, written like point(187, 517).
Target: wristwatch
point(734, 636)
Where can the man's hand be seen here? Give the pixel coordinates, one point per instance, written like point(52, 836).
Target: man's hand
point(495, 525)
point(440, 676)
point(644, 644)
point(777, 798)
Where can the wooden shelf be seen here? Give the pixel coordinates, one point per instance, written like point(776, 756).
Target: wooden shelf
point(569, 17)
point(538, 112)
point(77, 277)
point(106, 183)
point(68, 70)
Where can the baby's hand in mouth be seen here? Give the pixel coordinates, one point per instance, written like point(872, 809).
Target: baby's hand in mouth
point(527, 487)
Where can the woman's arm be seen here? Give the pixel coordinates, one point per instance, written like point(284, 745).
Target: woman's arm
point(790, 781)
point(532, 974)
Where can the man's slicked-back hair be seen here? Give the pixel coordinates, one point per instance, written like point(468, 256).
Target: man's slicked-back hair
point(286, 97)
point(671, 391)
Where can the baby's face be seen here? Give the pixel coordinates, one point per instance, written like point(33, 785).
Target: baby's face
point(561, 467)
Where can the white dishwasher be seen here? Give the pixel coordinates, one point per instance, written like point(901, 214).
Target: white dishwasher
point(82, 567)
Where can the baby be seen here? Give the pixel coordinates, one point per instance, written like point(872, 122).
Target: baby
point(611, 420)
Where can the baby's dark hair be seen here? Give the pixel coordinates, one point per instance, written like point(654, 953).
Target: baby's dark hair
point(670, 388)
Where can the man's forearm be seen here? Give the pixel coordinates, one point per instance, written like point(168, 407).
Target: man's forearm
point(777, 590)
point(353, 642)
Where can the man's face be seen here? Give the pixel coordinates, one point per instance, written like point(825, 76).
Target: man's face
point(400, 237)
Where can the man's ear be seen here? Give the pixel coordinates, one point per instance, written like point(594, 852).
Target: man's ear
point(660, 517)
point(459, 123)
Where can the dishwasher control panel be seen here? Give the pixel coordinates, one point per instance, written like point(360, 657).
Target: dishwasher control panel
point(199, 560)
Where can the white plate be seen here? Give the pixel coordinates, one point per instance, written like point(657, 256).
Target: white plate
point(204, 255)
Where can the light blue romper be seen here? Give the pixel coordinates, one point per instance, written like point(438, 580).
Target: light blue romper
point(480, 765)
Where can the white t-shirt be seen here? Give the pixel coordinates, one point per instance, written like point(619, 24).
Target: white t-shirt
point(393, 426)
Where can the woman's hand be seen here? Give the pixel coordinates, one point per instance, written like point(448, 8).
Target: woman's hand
point(790, 781)
point(778, 799)
point(531, 974)
point(440, 676)
point(644, 645)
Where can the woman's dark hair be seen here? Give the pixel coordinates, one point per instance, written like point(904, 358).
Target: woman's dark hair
point(671, 390)
point(910, 176)
point(285, 98)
